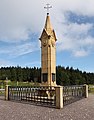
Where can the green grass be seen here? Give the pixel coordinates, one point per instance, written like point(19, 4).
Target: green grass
point(13, 83)
point(91, 89)
point(2, 93)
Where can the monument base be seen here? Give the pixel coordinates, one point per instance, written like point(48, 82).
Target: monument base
point(48, 84)
point(48, 90)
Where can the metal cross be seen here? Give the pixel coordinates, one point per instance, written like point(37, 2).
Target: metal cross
point(47, 7)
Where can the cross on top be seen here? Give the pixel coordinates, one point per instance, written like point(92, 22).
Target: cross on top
point(47, 7)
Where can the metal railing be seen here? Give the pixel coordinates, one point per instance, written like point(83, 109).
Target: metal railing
point(2, 92)
point(33, 94)
point(56, 96)
point(73, 93)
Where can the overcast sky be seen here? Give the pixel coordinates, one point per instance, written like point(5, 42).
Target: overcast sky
point(21, 24)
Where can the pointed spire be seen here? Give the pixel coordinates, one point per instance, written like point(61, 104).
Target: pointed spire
point(48, 25)
point(48, 29)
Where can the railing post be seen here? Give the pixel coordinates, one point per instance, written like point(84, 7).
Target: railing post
point(86, 91)
point(7, 92)
point(59, 97)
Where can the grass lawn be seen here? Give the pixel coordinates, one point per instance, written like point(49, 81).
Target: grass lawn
point(91, 89)
point(13, 83)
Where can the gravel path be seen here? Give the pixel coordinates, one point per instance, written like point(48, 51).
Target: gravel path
point(80, 110)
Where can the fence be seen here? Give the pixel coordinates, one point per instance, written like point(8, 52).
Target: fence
point(56, 96)
point(2, 92)
point(39, 95)
point(73, 93)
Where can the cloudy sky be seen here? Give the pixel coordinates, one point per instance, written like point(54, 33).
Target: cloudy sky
point(21, 24)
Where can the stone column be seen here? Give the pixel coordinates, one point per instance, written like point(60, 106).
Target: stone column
point(86, 91)
point(7, 92)
point(59, 97)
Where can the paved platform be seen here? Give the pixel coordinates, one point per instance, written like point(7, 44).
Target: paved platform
point(80, 110)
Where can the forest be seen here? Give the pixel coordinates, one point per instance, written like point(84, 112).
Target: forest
point(64, 76)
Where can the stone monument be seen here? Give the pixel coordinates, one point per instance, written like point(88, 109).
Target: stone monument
point(48, 53)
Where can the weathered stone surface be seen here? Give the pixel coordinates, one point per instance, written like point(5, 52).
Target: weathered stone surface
point(81, 110)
